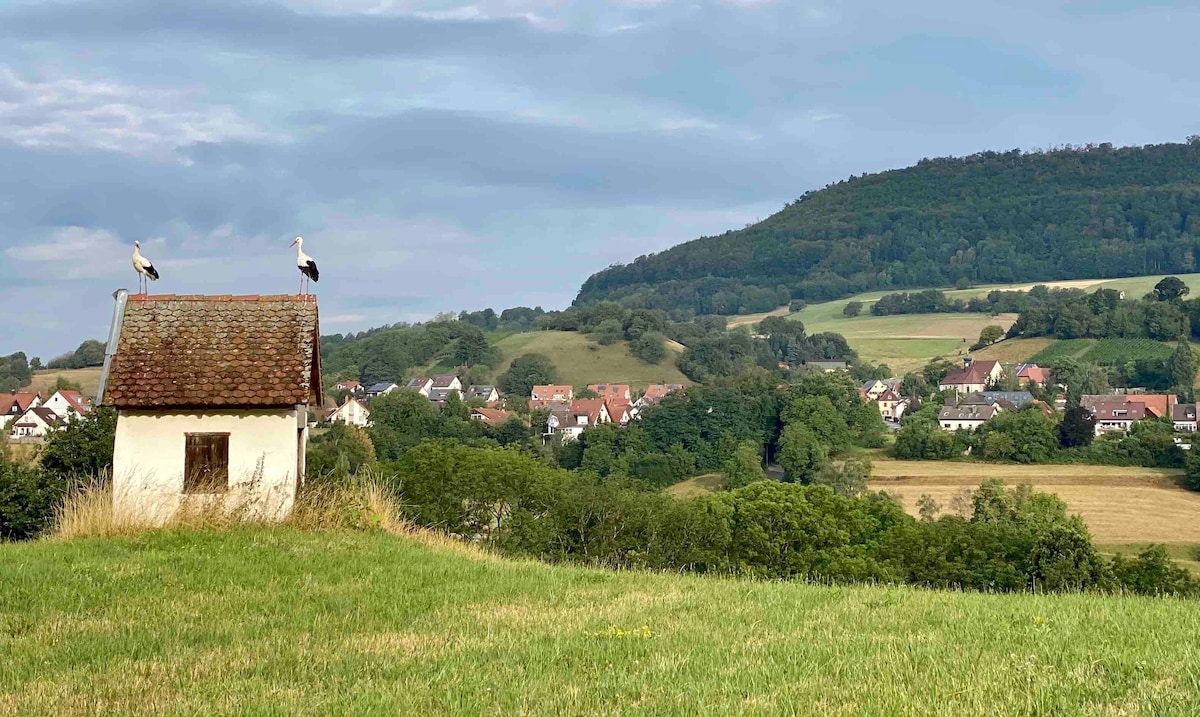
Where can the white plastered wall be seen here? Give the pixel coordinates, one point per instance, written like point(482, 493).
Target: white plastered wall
point(264, 458)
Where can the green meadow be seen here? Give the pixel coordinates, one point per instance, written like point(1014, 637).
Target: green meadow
point(279, 621)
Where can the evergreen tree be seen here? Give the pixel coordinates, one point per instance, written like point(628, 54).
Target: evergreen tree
point(1182, 365)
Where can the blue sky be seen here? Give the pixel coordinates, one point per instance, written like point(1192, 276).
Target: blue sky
point(442, 155)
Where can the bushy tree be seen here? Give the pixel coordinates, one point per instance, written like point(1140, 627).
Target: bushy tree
point(341, 451)
point(473, 349)
point(649, 347)
point(990, 334)
point(82, 447)
point(852, 308)
point(801, 453)
point(1077, 428)
point(525, 372)
point(743, 467)
point(28, 499)
point(1171, 288)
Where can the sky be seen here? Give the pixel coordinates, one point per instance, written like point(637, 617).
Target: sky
point(440, 155)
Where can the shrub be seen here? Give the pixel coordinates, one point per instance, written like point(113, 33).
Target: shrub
point(28, 499)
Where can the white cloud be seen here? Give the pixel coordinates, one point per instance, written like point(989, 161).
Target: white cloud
point(344, 319)
point(76, 253)
point(70, 113)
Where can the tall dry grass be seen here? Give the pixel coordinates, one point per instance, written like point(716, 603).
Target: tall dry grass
point(366, 504)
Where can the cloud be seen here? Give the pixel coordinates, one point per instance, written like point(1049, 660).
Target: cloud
point(72, 253)
point(70, 113)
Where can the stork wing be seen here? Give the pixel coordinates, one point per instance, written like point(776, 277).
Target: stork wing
point(309, 269)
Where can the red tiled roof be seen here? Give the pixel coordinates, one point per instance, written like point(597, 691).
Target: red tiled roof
point(547, 392)
point(655, 391)
point(610, 390)
point(492, 416)
point(977, 372)
point(21, 400)
point(78, 401)
point(590, 407)
point(216, 351)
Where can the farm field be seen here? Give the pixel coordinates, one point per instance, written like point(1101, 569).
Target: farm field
point(281, 621)
point(87, 378)
point(1119, 504)
point(581, 361)
point(907, 342)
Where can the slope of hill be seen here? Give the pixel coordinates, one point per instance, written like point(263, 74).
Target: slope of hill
point(87, 378)
point(265, 621)
point(580, 360)
point(991, 217)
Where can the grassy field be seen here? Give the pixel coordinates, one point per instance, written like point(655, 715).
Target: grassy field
point(581, 361)
point(697, 485)
point(1120, 505)
point(285, 622)
point(87, 378)
point(908, 342)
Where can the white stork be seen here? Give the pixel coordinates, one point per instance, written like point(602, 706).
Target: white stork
point(143, 267)
point(306, 264)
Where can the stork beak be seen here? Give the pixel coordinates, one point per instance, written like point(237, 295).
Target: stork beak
point(294, 242)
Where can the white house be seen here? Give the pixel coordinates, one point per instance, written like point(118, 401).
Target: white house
point(967, 416)
point(973, 377)
point(381, 389)
point(14, 404)
point(487, 393)
point(421, 384)
point(68, 404)
point(212, 396)
point(352, 413)
point(34, 423)
point(576, 417)
point(1183, 415)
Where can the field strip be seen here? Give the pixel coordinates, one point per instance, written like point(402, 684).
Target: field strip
point(1114, 514)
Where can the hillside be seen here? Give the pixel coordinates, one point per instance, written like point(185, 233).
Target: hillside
point(580, 360)
point(266, 621)
point(906, 342)
point(87, 378)
point(991, 217)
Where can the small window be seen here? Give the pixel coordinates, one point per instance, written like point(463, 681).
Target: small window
point(206, 463)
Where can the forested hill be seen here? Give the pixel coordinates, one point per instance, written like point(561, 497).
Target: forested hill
point(1072, 213)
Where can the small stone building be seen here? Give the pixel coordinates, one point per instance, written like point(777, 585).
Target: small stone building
point(212, 396)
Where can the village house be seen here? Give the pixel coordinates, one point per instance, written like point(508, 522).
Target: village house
point(382, 388)
point(550, 396)
point(612, 391)
point(1116, 415)
point(349, 386)
point(491, 416)
point(421, 384)
point(36, 422)
point(14, 404)
point(1118, 412)
point(68, 404)
point(579, 415)
point(1183, 415)
point(973, 377)
point(212, 397)
point(1015, 400)
point(487, 394)
point(552, 392)
point(621, 412)
point(352, 413)
point(967, 416)
point(1028, 373)
point(654, 393)
point(886, 397)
